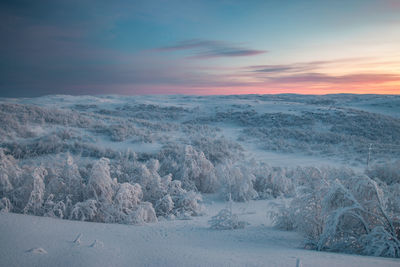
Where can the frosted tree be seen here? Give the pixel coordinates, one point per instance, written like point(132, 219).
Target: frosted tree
point(188, 204)
point(271, 182)
point(389, 171)
point(85, 211)
point(144, 213)
point(100, 185)
point(339, 210)
point(236, 182)
point(73, 180)
point(36, 197)
point(152, 184)
point(5, 205)
point(128, 196)
point(10, 173)
point(164, 206)
point(54, 209)
point(189, 166)
point(126, 202)
point(358, 213)
point(199, 170)
point(226, 219)
point(128, 207)
point(55, 183)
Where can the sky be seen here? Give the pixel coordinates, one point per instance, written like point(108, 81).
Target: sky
point(199, 47)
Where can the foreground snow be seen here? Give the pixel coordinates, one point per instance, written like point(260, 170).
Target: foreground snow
point(39, 241)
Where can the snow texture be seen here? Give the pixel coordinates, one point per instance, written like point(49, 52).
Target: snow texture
point(329, 163)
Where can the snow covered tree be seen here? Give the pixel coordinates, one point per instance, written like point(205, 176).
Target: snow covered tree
point(144, 213)
point(73, 180)
point(36, 198)
point(271, 182)
point(85, 211)
point(54, 209)
point(199, 170)
point(10, 173)
point(164, 206)
point(100, 185)
point(5, 205)
point(226, 219)
point(128, 207)
point(236, 182)
point(338, 210)
point(154, 187)
point(189, 166)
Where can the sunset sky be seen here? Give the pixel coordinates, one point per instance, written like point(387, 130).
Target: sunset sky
point(199, 47)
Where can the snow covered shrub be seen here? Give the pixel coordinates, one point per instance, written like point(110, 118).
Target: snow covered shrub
point(122, 130)
point(285, 216)
point(236, 182)
point(5, 205)
point(346, 212)
point(72, 179)
point(357, 211)
point(388, 172)
point(271, 182)
point(393, 198)
point(54, 209)
point(218, 149)
point(154, 187)
point(164, 206)
point(127, 197)
point(36, 198)
point(144, 213)
point(188, 204)
point(128, 208)
point(380, 242)
point(189, 166)
point(85, 211)
point(166, 195)
point(304, 212)
point(55, 185)
point(10, 173)
point(226, 220)
point(198, 169)
point(100, 185)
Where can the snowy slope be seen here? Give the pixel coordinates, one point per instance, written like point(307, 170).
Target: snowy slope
point(167, 243)
point(332, 129)
point(160, 148)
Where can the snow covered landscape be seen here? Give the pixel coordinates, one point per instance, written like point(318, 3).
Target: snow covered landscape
point(236, 180)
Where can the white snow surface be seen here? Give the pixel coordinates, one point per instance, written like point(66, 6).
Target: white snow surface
point(248, 121)
point(40, 241)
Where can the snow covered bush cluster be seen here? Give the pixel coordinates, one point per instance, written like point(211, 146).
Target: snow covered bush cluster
point(226, 220)
point(388, 172)
point(139, 159)
point(347, 133)
point(340, 210)
point(92, 194)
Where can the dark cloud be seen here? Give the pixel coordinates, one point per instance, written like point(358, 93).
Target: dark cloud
point(209, 49)
point(274, 68)
point(288, 68)
point(300, 67)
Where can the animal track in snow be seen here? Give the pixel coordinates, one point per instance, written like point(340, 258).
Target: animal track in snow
point(37, 250)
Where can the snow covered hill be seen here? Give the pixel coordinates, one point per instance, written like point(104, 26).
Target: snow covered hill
point(156, 169)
